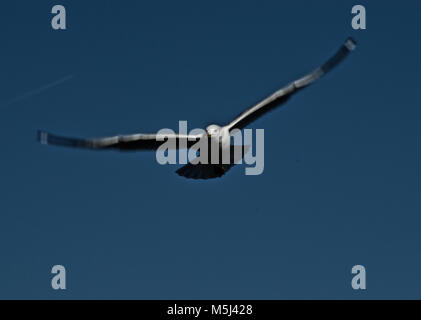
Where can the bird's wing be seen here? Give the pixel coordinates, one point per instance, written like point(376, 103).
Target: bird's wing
point(132, 142)
point(282, 95)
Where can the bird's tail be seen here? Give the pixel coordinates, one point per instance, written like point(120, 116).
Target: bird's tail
point(211, 171)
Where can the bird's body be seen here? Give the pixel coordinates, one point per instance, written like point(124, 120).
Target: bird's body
point(216, 135)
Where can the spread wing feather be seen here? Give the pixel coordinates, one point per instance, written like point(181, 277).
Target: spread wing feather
point(281, 96)
point(131, 142)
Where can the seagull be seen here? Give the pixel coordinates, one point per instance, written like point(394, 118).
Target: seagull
point(214, 133)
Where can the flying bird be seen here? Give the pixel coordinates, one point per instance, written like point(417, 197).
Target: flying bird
point(214, 133)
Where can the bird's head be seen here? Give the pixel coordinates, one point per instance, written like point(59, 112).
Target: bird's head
point(213, 130)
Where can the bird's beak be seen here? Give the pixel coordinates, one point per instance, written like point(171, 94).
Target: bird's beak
point(209, 135)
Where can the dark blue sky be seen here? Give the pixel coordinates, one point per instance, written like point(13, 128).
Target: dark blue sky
point(342, 158)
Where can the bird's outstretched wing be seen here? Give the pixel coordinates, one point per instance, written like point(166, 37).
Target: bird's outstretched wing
point(131, 142)
point(282, 95)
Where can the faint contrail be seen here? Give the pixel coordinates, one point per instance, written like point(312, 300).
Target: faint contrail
point(38, 90)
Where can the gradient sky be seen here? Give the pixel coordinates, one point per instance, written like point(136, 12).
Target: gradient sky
point(342, 159)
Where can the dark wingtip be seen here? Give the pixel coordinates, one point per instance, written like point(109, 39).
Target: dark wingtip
point(42, 137)
point(350, 43)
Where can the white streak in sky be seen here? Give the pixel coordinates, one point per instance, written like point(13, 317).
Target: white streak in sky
point(38, 90)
